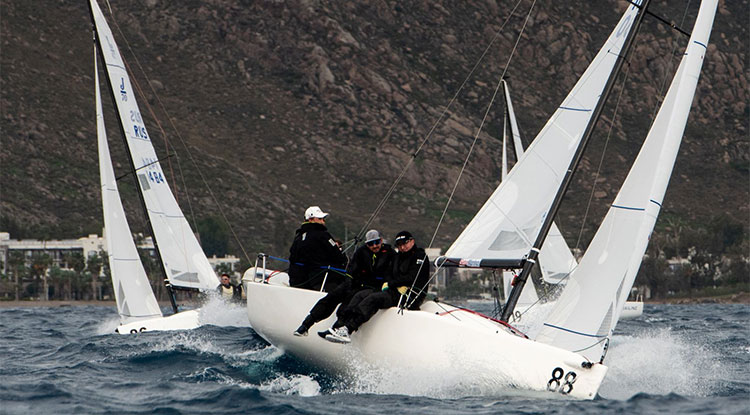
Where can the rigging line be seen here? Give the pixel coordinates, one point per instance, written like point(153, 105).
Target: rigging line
point(604, 153)
point(473, 143)
point(184, 145)
point(390, 191)
point(670, 63)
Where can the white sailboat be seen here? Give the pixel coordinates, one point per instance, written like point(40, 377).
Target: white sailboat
point(184, 262)
point(567, 356)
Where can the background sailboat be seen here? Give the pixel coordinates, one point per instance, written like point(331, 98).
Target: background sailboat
point(136, 304)
point(183, 261)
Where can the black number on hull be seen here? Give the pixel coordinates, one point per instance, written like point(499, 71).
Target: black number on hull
point(565, 387)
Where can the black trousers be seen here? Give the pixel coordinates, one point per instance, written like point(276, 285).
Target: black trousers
point(342, 294)
point(363, 306)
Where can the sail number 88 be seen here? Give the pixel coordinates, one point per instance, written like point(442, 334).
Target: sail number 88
point(561, 384)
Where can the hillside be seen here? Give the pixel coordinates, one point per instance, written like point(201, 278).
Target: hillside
point(280, 105)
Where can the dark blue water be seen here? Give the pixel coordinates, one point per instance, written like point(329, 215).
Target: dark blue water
point(674, 359)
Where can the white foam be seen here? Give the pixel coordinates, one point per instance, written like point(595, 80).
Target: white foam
point(218, 312)
point(659, 362)
point(108, 326)
point(301, 385)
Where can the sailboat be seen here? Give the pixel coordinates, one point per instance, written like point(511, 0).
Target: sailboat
point(556, 262)
point(567, 354)
point(183, 261)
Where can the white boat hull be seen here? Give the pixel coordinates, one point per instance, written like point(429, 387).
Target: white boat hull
point(631, 309)
point(184, 320)
point(439, 340)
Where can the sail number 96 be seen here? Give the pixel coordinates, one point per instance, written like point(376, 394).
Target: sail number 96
point(561, 384)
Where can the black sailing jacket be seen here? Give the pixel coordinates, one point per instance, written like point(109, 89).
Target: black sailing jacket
point(408, 266)
point(371, 269)
point(313, 249)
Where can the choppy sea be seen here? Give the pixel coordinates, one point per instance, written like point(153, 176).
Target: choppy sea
point(675, 359)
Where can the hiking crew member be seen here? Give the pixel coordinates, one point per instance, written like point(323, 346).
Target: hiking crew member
point(229, 291)
point(369, 269)
point(313, 252)
point(411, 269)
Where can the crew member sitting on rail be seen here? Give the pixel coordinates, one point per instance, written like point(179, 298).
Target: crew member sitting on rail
point(369, 269)
point(314, 257)
point(406, 287)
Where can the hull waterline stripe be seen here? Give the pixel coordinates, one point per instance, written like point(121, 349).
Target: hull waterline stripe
point(655, 202)
point(695, 41)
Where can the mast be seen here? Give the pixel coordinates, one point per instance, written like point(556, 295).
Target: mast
point(172, 299)
point(567, 179)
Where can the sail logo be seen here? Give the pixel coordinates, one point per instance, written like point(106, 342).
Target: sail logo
point(140, 132)
point(153, 172)
point(123, 91)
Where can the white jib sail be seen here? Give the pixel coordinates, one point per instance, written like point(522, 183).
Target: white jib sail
point(185, 262)
point(133, 294)
point(510, 220)
point(555, 259)
point(589, 307)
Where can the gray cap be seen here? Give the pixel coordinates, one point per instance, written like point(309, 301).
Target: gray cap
point(372, 235)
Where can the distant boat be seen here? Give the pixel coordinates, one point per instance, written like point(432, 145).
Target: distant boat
point(566, 355)
point(182, 259)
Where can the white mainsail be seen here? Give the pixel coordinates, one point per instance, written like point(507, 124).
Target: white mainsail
point(588, 310)
point(510, 220)
point(184, 261)
point(133, 294)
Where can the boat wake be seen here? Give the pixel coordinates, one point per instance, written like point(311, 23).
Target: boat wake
point(660, 362)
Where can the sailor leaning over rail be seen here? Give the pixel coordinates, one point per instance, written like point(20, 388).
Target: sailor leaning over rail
point(411, 268)
point(313, 253)
point(368, 269)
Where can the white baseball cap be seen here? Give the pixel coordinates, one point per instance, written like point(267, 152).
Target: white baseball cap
point(372, 235)
point(314, 212)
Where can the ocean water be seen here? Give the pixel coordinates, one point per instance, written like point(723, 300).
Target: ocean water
point(674, 359)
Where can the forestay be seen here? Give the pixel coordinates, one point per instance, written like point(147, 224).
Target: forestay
point(184, 261)
point(510, 220)
point(586, 313)
point(133, 294)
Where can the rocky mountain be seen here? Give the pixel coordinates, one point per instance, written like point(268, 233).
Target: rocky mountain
point(266, 107)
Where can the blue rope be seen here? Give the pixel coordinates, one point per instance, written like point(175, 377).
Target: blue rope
point(301, 264)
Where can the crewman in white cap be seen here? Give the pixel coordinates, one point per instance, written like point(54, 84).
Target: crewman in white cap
point(314, 256)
